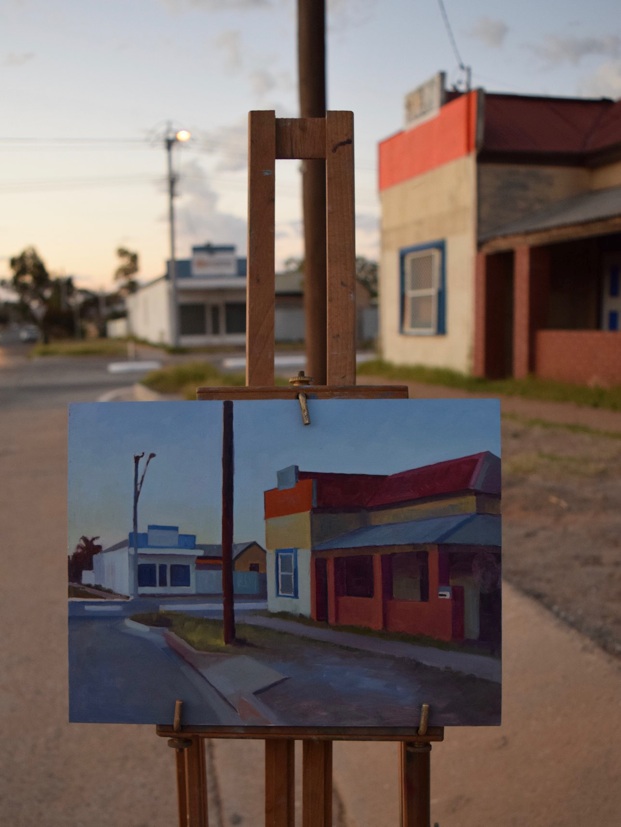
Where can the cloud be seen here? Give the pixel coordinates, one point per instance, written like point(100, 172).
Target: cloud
point(14, 59)
point(263, 82)
point(215, 5)
point(198, 217)
point(556, 50)
point(605, 82)
point(346, 14)
point(229, 44)
point(490, 31)
point(229, 143)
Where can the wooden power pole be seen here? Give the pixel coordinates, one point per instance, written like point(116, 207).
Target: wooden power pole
point(312, 86)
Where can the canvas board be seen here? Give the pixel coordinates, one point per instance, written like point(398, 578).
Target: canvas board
point(366, 563)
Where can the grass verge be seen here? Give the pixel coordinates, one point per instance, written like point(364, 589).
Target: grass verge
point(82, 347)
point(184, 379)
point(529, 388)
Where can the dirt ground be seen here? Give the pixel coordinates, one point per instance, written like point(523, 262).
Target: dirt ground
point(561, 508)
point(562, 524)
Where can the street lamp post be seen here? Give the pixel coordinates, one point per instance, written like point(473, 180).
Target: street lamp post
point(181, 136)
point(137, 489)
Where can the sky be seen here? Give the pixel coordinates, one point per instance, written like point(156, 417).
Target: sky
point(183, 483)
point(89, 90)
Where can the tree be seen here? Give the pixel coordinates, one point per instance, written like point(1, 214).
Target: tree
point(82, 558)
point(366, 274)
point(42, 298)
point(31, 282)
point(366, 271)
point(128, 267)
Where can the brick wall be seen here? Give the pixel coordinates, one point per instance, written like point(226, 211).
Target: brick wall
point(584, 357)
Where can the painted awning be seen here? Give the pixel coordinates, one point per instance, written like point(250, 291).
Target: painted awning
point(459, 529)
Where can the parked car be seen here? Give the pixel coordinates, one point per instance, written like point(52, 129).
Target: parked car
point(29, 333)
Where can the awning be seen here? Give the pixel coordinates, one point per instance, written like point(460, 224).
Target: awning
point(590, 213)
point(459, 529)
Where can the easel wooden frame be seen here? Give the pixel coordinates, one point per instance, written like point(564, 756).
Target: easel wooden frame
point(330, 138)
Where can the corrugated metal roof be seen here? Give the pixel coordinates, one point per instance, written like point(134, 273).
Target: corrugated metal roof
point(595, 205)
point(461, 529)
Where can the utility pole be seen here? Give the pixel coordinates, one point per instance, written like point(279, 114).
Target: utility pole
point(312, 90)
point(228, 467)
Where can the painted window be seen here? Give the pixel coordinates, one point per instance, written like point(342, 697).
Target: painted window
point(423, 289)
point(179, 575)
point(147, 574)
point(410, 576)
point(287, 572)
point(354, 575)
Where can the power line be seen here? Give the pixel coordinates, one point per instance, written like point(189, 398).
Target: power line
point(451, 36)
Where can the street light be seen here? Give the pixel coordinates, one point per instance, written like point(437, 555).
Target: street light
point(172, 138)
point(137, 489)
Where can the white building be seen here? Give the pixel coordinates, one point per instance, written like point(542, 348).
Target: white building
point(166, 563)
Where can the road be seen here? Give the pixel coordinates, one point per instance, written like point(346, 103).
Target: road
point(555, 762)
point(134, 677)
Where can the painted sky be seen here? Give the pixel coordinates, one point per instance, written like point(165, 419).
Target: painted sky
point(89, 87)
point(183, 483)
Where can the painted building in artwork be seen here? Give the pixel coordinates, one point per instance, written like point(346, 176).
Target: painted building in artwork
point(415, 552)
point(501, 235)
point(166, 563)
point(248, 569)
point(172, 563)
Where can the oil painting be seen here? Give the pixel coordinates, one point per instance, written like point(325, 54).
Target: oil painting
point(270, 573)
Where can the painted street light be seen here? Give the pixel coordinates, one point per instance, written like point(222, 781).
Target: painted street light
point(172, 138)
point(137, 489)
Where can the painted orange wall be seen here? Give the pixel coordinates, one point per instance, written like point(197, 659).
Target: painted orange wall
point(448, 136)
point(279, 502)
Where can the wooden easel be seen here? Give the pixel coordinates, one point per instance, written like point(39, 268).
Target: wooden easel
point(330, 138)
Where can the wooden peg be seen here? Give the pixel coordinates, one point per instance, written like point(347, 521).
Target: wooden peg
point(296, 381)
point(424, 719)
point(177, 715)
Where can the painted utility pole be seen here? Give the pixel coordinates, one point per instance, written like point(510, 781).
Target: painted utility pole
point(228, 467)
point(133, 569)
point(312, 90)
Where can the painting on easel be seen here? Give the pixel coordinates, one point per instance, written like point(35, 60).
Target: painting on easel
point(275, 574)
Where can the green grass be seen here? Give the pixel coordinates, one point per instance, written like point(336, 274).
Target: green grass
point(82, 347)
point(572, 427)
point(184, 379)
point(529, 388)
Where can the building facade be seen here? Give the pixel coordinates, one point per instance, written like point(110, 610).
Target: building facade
point(415, 552)
point(501, 236)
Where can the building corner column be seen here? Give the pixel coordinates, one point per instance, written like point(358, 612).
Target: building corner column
point(531, 294)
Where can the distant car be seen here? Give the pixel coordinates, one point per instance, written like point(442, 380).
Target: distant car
point(29, 333)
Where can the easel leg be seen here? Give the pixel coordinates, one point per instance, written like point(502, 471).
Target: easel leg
point(415, 784)
point(196, 784)
point(317, 783)
point(279, 782)
point(182, 795)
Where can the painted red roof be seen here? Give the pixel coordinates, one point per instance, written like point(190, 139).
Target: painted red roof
point(565, 126)
point(477, 472)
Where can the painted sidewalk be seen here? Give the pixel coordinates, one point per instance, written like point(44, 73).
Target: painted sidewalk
point(482, 667)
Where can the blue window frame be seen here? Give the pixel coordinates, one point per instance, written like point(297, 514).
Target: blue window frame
point(287, 572)
point(179, 574)
point(423, 289)
point(147, 574)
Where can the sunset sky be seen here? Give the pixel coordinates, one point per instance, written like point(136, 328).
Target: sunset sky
point(88, 89)
point(183, 483)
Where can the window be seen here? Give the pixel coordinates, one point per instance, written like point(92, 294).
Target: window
point(410, 576)
point(355, 575)
point(179, 575)
point(192, 320)
point(235, 317)
point(147, 575)
point(422, 289)
point(287, 572)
